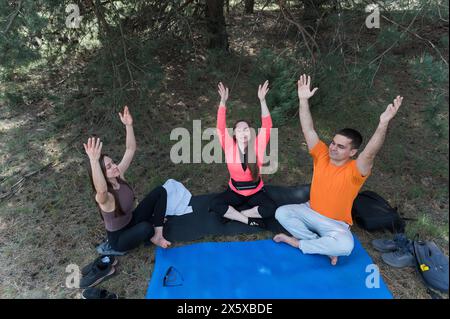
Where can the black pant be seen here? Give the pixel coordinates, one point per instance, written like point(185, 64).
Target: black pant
point(266, 209)
point(148, 214)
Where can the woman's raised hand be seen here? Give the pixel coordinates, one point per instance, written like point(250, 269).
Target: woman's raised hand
point(223, 92)
point(125, 117)
point(93, 148)
point(262, 90)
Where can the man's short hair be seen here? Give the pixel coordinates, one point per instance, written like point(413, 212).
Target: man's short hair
point(353, 135)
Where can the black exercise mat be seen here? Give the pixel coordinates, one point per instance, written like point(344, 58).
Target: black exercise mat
point(202, 222)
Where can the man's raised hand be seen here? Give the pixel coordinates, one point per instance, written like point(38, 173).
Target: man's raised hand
point(391, 110)
point(304, 87)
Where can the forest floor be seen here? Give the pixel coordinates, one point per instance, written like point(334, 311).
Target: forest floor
point(50, 220)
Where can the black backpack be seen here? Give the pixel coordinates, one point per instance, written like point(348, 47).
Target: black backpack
point(372, 212)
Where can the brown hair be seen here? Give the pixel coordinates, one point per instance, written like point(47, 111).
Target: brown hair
point(118, 211)
point(253, 167)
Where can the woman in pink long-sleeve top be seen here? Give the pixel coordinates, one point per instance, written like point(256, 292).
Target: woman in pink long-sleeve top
point(244, 157)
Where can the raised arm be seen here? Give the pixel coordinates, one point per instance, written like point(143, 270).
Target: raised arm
point(366, 157)
point(93, 149)
point(304, 93)
point(127, 120)
point(262, 91)
point(221, 114)
point(266, 120)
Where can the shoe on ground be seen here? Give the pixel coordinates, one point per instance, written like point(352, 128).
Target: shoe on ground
point(101, 260)
point(96, 275)
point(402, 257)
point(105, 249)
point(389, 245)
point(96, 293)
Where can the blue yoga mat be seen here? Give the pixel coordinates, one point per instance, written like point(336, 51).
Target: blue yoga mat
point(261, 269)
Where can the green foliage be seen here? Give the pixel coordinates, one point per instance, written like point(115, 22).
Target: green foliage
point(389, 35)
point(437, 10)
point(219, 63)
point(427, 228)
point(19, 24)
point(416, 192)
point(432, 75)
point(444, 42)
point(343, 88)
point(282, 75)
point(119, 42)
point(193, 75)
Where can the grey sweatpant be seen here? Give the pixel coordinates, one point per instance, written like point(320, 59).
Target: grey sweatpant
point(318, 234)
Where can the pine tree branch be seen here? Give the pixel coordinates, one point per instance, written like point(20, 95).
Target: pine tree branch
point(305, 34)
point(407, 29)
point(417, 36)
point(16, 13)
point(396, 42)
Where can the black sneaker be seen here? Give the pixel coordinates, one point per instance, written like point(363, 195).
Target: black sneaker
point(101, 260)
point(96, 275)
point(95, 293)
point(256, 222)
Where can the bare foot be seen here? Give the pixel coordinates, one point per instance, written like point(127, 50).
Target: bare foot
point(334, 260)
point(286, 239)
point(282, 238)
point(160, 241)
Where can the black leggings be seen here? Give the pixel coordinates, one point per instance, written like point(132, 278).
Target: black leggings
point(148, 214)
point(266, 209)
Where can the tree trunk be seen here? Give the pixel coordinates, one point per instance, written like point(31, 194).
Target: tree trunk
point(215, 19)
point(249, 6)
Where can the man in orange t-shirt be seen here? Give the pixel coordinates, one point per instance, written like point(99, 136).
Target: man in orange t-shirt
point(322, 225)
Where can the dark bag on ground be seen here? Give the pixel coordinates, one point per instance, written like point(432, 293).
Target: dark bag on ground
point(432, 265)
point(372, 212)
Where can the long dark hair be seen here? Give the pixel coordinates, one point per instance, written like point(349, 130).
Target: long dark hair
point(118, 211)
point(250, 151)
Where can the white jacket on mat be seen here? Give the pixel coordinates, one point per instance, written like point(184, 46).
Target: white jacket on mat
point(178, 198)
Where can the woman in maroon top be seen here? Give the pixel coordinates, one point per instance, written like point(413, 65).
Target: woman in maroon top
point(127, 227)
